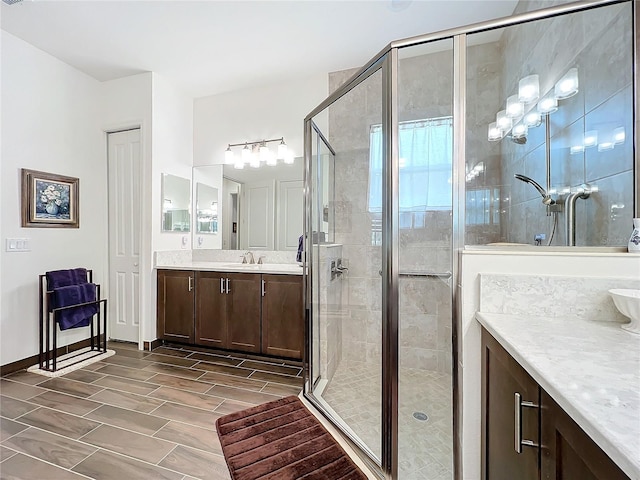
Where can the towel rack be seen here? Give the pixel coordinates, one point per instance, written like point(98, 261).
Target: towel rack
point(48, 354)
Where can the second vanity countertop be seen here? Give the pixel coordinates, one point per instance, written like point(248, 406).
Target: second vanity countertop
point(591, 369)
point(230, 267)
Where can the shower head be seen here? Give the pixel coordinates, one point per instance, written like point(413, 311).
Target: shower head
point(546, 198)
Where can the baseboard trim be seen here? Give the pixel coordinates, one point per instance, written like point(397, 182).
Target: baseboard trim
point(149, 346)
point(27, 362)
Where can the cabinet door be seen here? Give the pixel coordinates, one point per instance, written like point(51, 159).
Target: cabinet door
point(175, 305)
point(243, 312)
point(211, 315)
point(282, 316)
point(568, 453)
point(502, 378)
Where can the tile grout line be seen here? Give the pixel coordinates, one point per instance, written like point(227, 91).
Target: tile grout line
point(168, 453)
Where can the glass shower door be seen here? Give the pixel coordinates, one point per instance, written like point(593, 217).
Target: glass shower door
point(345, 250)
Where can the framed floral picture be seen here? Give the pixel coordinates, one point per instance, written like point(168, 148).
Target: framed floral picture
point(49, 200)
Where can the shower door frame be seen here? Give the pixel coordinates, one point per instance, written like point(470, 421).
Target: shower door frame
point(387, 61)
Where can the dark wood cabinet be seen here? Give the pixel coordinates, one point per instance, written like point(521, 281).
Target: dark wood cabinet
point(567, 452)
point(504, 379)
point(229, 311)
point(175, 305)
point(243, 312)
point(282, 314)
point(211, 316)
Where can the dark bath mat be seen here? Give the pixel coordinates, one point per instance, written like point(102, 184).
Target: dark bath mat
point(282, 440)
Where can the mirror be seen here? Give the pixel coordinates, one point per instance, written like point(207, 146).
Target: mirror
point(259, 208)
point(206, 209)
point(176, 204)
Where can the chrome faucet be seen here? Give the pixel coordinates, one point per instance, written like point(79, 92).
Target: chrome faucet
point(252, 261)
point(260, 258)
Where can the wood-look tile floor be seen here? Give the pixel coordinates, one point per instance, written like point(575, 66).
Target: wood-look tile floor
point(135, 415)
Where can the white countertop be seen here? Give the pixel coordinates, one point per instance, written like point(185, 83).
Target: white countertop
point(591, 369)
point(274, 268)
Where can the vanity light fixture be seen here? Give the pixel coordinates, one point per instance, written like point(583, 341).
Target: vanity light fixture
point(576, 149)
point(519, 131)
point(256, 153)
point(604, 146)
point(529, 89)
point(495, 133)
point(503, 121)
point(515, 108)
point(548, 105)
point(567, 86)
point(618, 135)
point(590, 138)
point(532, 119)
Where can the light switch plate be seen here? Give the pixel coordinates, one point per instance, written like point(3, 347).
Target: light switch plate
point(18, 245)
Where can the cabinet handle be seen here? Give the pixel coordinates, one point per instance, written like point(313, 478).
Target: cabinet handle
point(519, 442)
point(221, 285)
point(227, 290)
point(263, 287)
point(190, 283)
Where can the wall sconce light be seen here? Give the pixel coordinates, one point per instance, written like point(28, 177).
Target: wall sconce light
point(515, 109)
point(590, 138)
point(256, 153)
point(532, 119)
point(503, 121)
point(567, 86)
point(495, 133)
point(529, 89)
point(548, 105)
point(519, 131)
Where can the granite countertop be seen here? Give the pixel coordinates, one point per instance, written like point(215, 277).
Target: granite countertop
point(591, 369)
point(274, 268)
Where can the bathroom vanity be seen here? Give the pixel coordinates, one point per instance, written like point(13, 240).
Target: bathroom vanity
point(246, 308)
point(560, 399)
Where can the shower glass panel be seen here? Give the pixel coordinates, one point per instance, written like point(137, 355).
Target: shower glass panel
point(566, 87)
point(347, 286)
point(425, 151)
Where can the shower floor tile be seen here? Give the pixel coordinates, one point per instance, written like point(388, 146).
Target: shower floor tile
point(425, 448)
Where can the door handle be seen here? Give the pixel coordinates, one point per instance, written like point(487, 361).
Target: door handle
point(227, 289)
point(190, 283)
point(135, 264)
point(221, 285)
point(519, 442)
point(263, 287)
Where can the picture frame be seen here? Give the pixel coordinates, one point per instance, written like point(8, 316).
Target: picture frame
point(50, 200)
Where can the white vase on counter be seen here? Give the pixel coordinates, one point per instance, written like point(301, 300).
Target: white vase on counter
point(634, 240)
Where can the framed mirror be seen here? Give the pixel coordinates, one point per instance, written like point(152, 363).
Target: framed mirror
point(206, 209)
point(176, 204)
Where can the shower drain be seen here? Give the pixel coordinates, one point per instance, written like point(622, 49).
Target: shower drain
point(423, 417)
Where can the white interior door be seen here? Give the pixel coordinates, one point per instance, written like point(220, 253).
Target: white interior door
point(124, 234)
point(291, 214)
point(259, 220)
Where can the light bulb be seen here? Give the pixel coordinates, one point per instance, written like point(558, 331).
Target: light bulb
point(246, 154)
point(503, 121)
point(282, 150)
point(239, 164)
point(567, 86)
point(494, 133)
point(548, 105)
point(576, 149)
point(590, 138)
point(228, 156)
point(529, 89)
point(532, 119)
point(519, 131)
point(264, 153)
point(605, 146)
point(515, 109)
point(271, 159)
point(288, 157)
point(619, 135)
point(254, 161)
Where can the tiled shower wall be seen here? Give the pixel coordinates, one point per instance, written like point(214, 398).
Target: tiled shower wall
point(597, 42)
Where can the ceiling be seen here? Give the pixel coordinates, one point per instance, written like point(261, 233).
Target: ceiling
point(211, 47)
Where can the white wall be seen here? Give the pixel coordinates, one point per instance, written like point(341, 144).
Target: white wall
point(475, 262)
point(271, 111)
point(50, 115)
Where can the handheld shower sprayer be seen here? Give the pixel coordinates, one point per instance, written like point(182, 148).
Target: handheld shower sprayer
point(546, 198)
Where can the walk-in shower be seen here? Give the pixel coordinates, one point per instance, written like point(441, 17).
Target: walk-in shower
point(401, 175)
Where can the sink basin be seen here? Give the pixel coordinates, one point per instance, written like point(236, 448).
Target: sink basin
point(627, 301)
point(242, 266)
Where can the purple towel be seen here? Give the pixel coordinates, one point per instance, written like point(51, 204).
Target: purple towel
point(73, 295)
point(64, 278)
